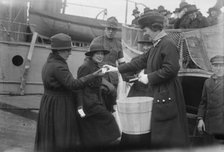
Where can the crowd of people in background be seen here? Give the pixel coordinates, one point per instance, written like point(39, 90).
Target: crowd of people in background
point(187, 16)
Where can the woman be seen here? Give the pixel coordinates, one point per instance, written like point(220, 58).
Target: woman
point(56, 124)
point(98, 127)
point(161, 64)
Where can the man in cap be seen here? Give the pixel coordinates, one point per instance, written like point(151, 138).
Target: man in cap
point(113, 44)
point(192, 19)
point(211, 107)
point(136, 15)
point(161, 63)
point(213, 16)
point(183, 6)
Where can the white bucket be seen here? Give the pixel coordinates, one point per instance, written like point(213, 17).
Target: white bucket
point(135, 114)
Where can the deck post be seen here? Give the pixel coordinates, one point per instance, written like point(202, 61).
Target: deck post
point(27, 64)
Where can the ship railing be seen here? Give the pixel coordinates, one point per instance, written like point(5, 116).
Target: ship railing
point(196, 47)
point(14, 31)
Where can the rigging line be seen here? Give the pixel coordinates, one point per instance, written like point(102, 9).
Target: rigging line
point(86, 5)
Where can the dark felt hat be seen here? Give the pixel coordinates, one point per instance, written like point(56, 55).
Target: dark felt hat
point(151, 18)
point(218, 59)
point(61, 41)
point(112, 23)
point(135, 11)
point(192, 9)
point(96, 47)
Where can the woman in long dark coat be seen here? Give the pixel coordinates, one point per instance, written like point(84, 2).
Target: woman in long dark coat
point(168, 119)
point(98, 127)
point(57, 125)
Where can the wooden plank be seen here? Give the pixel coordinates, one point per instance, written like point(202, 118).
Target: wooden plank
point(27, 64)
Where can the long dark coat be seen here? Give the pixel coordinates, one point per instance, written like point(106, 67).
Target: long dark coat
point(57, 125)
point(211, 107)
point(98, 127)
point(168, 123)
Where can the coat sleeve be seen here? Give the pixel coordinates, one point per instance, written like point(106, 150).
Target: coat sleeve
point(65, 77)
point(135, 65)
point(169, 65)
point(203, 103)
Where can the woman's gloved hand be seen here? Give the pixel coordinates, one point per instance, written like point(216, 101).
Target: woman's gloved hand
point(110, 68)
point(143, 78)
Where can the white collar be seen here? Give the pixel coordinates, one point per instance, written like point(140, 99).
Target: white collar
point(158, 37)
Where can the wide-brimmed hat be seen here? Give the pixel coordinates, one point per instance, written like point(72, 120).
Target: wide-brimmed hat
point(135, 11)
point(96, 47)
point(151, 18)
point(218, 59)
point(192, 9)
point(112, 23)
point(183, 5)
point(61, 41)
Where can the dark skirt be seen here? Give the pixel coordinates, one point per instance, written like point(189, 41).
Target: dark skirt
point(99, 129)
point(56, 126)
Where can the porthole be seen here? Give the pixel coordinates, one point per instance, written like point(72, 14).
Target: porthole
point(17, 60)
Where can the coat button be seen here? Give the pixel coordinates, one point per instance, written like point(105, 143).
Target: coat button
point(169, 98)
point(157, 100)
point(163, 100)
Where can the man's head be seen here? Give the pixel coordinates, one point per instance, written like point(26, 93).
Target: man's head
point(218, 65)
point(183, 7)
point(135, 12)
point(214, 12)
point(192, 12)
point(111, 27)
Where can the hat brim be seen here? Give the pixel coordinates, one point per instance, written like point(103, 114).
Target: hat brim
point(90, 53)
